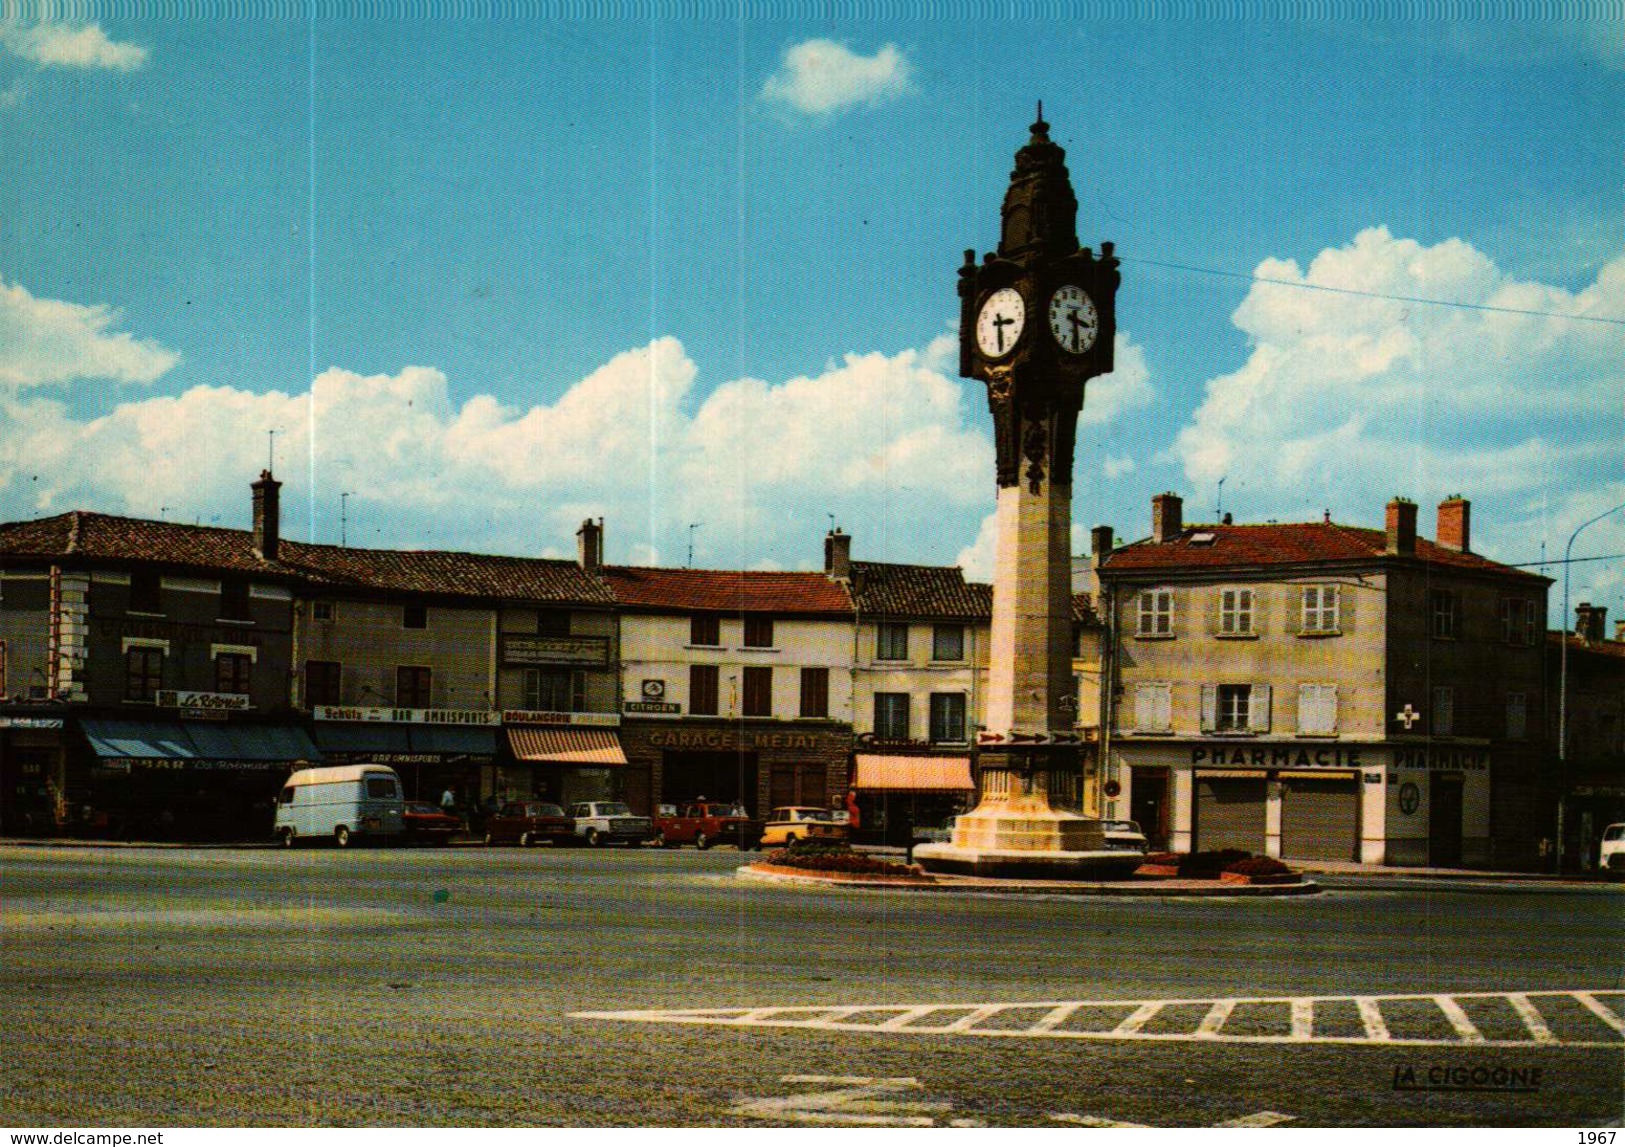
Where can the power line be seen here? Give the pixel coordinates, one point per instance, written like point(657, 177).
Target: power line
point(1373, 294)
point(1566, 561)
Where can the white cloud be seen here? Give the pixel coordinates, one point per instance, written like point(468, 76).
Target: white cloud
point(50, 341)
point(1346, 400)
point(65, 46)
point(1126, 388)
point(821, 76)
point(1117, 467)
point(978, 558)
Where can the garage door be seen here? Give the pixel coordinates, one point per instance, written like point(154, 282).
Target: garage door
point(1320, 818)
point(1230, 813)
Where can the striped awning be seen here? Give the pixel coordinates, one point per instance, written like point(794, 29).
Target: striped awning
point(561, 745)
point(878, 773)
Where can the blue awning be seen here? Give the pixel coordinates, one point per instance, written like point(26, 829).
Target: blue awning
point(361, 737)
point(139, 740)
point(454, 740)
point(223, 741)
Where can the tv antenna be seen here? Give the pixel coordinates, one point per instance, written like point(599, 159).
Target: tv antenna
point(692, 526)
point(344, 518)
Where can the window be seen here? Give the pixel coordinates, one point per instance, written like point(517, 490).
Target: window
point(758, 631)
point(1235, 708)
point(948, 643)
point(1235, 612)
point(702, 689)
point(1518, 621)
point(1444, 710)
point(1317, 710)
point(947, 716)
point(322, 683)
point(381, 788)
point(554, 690)
point(815, 692)
point(705, 629)
point(1320, 612)
point(412, 684)
point(414, 617)
point(758, 698)
point(143, 673)
point(1442, 608)
point(234, 599)
point(1156, 613)
point(891, 716)
point(1517, 716)
point(891, 641)
point(553, 623)
point(232, 672)
point(322, 611)
point(145, 592)
point(1153, 707)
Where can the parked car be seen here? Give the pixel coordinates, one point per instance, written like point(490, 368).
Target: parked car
point(798, 822)
point(610, 822)
point(1123, 836)
point(704, 823)
point(940, 834)
point(342, 803)
point(425, 823)
point(1611, 853)
point(528, 823)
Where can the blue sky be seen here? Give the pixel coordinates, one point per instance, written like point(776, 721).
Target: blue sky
point(491, 277)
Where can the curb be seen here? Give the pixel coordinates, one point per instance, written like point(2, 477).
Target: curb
point(985, 885)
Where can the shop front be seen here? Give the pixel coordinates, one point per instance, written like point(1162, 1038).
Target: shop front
point(560, 757)
point(762, 766)
point(191, 780)
point(31, 773)
point(434, 751)
point(900, 791)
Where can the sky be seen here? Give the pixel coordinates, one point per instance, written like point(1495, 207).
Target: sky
point(485, 278)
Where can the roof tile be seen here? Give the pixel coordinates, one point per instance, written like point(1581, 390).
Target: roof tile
point(886, 589)
point(727, 591)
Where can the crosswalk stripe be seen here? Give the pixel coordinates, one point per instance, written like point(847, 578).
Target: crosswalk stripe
point(1257, 1119)
point(1591, 1004)
point(905, 1019)
point(1142, 1015)
point(1214, 1020)
point(1303, 1019)
point(1459, 1020)
point(965, 1023)
point(1057, 1016)
point(1371, 1017)
point(1531, 1018)
point(1091, 1120)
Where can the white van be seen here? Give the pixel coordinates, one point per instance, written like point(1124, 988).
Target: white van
point(344, 803)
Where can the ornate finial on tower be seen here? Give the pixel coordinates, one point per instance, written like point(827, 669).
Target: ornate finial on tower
point(1040, 210)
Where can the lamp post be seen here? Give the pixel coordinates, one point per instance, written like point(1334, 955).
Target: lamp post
point(1563, 686)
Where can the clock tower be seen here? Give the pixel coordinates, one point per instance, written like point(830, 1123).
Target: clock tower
point(1037, 321)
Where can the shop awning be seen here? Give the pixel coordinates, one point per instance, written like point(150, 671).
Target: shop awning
point(229, 742)
point(887, 774)
point(361, 737)
point(139, 740)
point(567, 746)
point(453, 740)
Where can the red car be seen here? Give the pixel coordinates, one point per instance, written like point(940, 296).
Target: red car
point(528, 823)
point(423, 823)
point(704, 823)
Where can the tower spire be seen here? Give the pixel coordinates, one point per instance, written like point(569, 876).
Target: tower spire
point(1040, 210)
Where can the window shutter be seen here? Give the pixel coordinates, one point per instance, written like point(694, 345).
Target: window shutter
point(1164, 708)
point(1213, 611)
point(1328, 701)
point(1259, 709)
point(1261, 603)
point(1210, 708)
point(1345, 608)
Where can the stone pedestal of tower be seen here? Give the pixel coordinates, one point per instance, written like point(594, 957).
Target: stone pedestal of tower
point(1037, 321)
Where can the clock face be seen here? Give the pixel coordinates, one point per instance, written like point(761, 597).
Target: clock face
point(1073, 319)
point(998, 327)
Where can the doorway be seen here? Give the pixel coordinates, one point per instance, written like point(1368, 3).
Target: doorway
point(1444, 820)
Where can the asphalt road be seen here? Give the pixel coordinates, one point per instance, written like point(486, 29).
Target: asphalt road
point(172, 987)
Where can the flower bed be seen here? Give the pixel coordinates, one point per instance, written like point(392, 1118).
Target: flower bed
point(839, 863)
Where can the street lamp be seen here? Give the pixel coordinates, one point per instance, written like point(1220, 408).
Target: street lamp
point(1563, 686)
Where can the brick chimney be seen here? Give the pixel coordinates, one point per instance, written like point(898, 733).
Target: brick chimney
point(590, 544)
point(1402, 526)
point(1100, 545)
point(267, 515)
point(1167, 517)
point(1590, 621)
point(1619, 631)
point(1455, 524)
point(838, 555)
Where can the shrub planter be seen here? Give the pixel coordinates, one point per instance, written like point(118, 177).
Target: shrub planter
point(841, 877)
point(1157, 870)
point(1270, 878)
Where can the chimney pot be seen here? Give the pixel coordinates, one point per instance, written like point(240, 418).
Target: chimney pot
point(267, 516)
point(1455, 524)
point(838, 555)
point(1590, 621)
point(1402, 527)
point(1100, 543)
point(590, 544)
point(1167, 517)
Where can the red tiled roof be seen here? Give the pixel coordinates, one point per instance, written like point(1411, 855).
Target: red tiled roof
point(1556, 640)
point(727, 591)
point(1294, 543)
point(885, 589)
point(105, 537)
point(1083, 609)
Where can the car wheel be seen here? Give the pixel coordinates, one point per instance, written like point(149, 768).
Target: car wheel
point(341, 836)
point(287, 835)
point(526, 840)
point(660, 840)
point(701, 841)
point(489, 840)
point(594, 838)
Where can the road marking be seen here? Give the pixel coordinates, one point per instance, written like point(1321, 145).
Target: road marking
point(851, 1101)
point(1090, 1120)
point(1257, 1119)
point(914, 1019)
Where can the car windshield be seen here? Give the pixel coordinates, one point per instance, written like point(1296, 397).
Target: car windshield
point(729, 810)
point(1615, 832)
point(812, 814)
point(380, 788)
point(546, 810)
point(614, 808)
point(1120, 826)
point(421, 808)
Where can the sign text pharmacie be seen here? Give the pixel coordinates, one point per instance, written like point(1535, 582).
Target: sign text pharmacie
point(477, 717)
